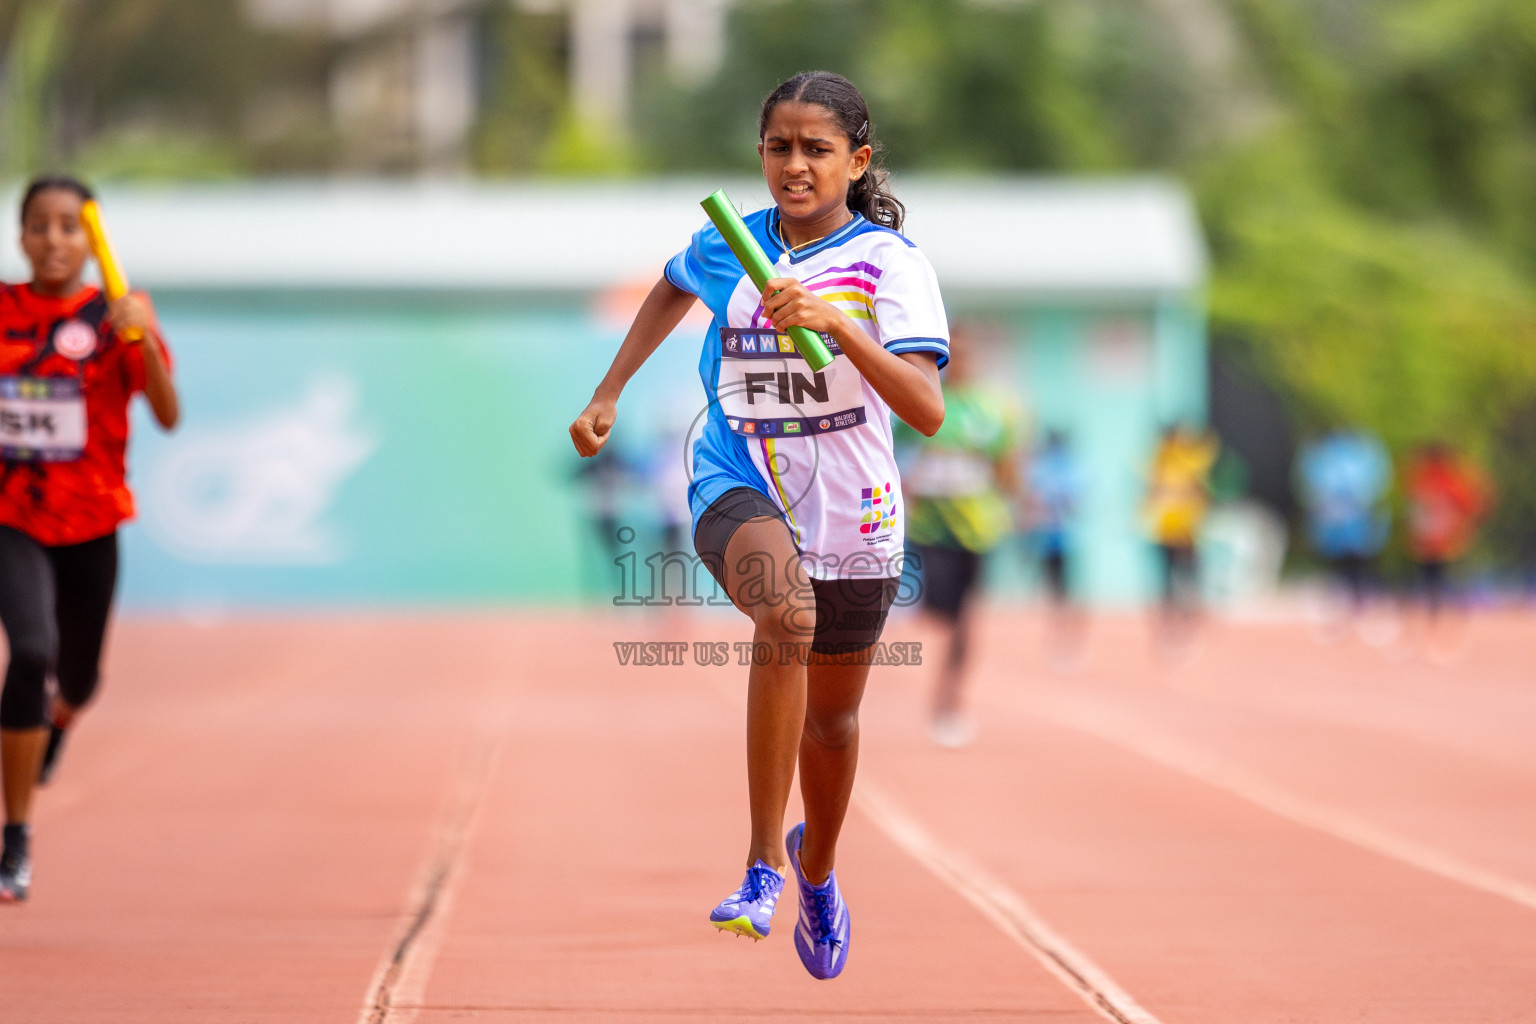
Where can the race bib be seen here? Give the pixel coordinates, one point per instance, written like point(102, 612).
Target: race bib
point(767, 389)
point(42, 419)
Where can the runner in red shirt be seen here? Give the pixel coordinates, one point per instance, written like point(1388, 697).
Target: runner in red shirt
point(1448, 498)
point(66, 376)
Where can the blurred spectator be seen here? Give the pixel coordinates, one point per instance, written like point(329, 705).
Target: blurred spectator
point(1178, 498)
point(1242, 541)
point(959, 485)
point(1054, 485)
point(1448, 498)
point(669, 472)
point(604, 478)
point(1343, 480)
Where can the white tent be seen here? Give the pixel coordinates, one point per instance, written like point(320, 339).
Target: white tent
point(1014, 236)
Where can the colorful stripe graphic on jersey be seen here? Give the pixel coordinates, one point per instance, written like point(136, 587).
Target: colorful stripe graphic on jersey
point(772, 460)
point(851, 289)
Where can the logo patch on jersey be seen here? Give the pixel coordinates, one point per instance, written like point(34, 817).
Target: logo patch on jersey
point(825, 424)
point(791, 426)
point(749, 427)
point(785, 345)
point(878, 508)
point(749, 344)
point(75, 339)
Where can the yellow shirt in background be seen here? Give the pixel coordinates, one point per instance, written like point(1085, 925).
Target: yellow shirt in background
point(1179, 494)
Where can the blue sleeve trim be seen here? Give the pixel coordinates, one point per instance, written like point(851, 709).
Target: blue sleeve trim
point(904, 345)
point(672, 278)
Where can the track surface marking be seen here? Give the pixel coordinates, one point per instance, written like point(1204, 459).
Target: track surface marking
point(1002, 906)
point(395, 992)
point(235, 828)
point(1201, 764)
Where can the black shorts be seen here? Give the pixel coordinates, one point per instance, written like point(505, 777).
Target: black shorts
point(949, 576)
point(850, 613)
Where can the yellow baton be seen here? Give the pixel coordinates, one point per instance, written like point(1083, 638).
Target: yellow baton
point(113, 282)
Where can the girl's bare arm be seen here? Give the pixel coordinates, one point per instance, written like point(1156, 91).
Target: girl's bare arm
point(663, 309)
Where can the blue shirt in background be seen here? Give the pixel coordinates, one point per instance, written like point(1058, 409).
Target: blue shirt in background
point(1344, 480)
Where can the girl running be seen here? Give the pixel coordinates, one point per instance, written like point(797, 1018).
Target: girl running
point(1177, 501)
point(66, 375)
point(795, 496)
point(960, 485)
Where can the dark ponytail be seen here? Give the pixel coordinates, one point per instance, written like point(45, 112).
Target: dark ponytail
point(50, 183)
point(870, 195)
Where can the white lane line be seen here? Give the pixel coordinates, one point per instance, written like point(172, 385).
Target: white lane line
point(1200, 764)
point(1002, 906)
point(399, 982)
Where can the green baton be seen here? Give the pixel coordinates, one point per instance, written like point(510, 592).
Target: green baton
point(734, 230)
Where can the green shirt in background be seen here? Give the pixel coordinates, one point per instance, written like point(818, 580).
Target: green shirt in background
point(949, 481)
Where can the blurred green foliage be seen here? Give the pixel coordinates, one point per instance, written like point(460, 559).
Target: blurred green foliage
point(158, 89)
point(1365, 169)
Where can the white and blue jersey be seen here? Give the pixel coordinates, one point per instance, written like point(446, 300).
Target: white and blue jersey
point(817, 444)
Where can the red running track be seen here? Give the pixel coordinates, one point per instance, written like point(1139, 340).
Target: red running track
point(487, 818)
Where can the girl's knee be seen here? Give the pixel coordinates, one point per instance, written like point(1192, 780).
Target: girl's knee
point(790, 621)
point(24, 699)
point(835, 730)
point(77, 686)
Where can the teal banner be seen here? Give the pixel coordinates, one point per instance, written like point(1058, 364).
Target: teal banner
point(381, 451)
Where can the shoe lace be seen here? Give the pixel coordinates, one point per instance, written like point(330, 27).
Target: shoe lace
point(758, 884)
point(824, 908)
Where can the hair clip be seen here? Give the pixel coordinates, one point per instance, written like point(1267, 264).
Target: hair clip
point(863, 129)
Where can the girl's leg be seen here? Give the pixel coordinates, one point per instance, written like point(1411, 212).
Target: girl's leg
point(87, 577)
point(765, 579)
point(829, 755)
point(26, 612)
point(943, 597)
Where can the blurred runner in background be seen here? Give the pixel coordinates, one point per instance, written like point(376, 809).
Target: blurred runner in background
point(1054, 485)
point(1343, 480)
point(70, 364)
point(960, 486)
point(1447, 498)
point(1178, 497)
point(604, 479)
point(668, 471)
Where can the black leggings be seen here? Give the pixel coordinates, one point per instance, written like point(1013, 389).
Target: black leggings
point(1181, 578)
point(54, 605)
